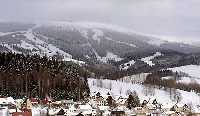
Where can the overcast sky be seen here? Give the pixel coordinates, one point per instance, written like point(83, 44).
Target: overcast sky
point(173, 19)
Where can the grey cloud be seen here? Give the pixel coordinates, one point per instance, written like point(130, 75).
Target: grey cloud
point(178, 18)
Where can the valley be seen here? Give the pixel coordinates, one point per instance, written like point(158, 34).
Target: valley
point(103, 58)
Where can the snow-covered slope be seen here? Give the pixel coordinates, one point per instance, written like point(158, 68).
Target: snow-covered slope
point(127, 65)
point(120, 88)
point(85, 41)
point(190, 74)
point(110, 56)
point(191, 70)
point(149, 59)
point(30, 42)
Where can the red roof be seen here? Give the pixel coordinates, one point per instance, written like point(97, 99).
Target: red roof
point(46, 101)
point(34, 100)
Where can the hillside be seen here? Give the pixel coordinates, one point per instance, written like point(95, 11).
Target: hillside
point(167, 97)
point(95, 45)
point(35, 76)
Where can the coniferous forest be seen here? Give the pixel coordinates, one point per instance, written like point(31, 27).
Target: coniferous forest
point(36, 76)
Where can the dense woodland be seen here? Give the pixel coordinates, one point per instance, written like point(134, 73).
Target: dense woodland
point(35, 76)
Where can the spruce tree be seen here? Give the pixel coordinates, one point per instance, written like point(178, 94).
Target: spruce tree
point(133, 101)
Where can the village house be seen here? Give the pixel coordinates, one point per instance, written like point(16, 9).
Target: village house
point(140, 111)
point(121, 101)
point(86, 109)
point(96, 105)
point(104, 110)
point(34, 102)
point(152, 107)
point(98, 100)
point(73, 110)
point(26, 109)
point(181, 109)
point(130, 113)
point(167, 107)
point(118, 113)
point(67, 103)
point(169, 113)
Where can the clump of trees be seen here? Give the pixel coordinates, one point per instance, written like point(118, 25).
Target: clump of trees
point(111, 101)
point(35, 76)
point(133, 100)
point(155, 78)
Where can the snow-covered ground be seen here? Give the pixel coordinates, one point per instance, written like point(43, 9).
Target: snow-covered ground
point(167, 77)
point(32, 42)
point(39, 111)
point(149, 58)
point(6, 33)
point(2, 34)
point(138, 78)
point(127, 65)
point(156, 41)
point(26, 45)
point(192, 73)
point(10, 48)
point(191, 70)
point(110, 56)
point(97, 35)
point(128, 44)
point(119, 88)
point(187, 80)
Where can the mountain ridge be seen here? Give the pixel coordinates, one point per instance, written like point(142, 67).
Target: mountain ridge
point(89, 43)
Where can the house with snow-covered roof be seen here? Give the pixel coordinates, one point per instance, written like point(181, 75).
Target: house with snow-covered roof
point(121, 101)
point(98, 100)
point(118, 113)
point(7, 101)
point(140, 111)
point(67, 103)
point(73, 110)
point(181, 109)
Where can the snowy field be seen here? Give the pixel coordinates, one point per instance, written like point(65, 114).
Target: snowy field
point(127, 65)
point(191, 70)
point(110, 56)
point(192, 73)
point(149, 58)
point(119, 88)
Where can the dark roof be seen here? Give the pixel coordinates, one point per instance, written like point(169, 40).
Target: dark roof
point(155, 102)
point(185, 106)
point(98, 94)
point(117, 112)
point(61, 112)
point(80, 114)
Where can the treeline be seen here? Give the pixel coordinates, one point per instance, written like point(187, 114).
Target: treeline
point(105, 71)
point(169, 59)
point(35, 76)
point(156, 79)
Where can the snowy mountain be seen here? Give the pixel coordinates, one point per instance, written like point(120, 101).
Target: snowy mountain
point(87, 42)
point(109, 52)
